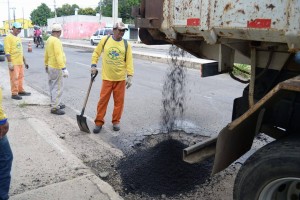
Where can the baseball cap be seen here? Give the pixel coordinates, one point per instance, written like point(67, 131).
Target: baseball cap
point(56, 27)
point(120, 26)
point(17, 25)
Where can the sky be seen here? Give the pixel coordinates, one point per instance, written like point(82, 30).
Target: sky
point(29, 5)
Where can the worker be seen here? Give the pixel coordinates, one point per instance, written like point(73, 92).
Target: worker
point(55, 66)
point(6, 156)
point(16, 61)
point(117, 72)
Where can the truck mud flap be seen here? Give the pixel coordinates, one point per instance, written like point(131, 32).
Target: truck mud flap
point(237, 137)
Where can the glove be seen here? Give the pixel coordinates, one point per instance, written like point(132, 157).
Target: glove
point(47, 70)
point(65, 73)
point(10, 66)
point(93, 69)
point(128, 81)
point(26, 66)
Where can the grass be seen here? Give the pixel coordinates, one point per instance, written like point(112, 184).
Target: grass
point(23, 104)
point(45, 37)
point(242, 70)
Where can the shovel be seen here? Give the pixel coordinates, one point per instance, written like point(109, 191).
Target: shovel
point(81, 120)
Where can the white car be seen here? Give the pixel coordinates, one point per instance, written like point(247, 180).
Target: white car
point(97, 36)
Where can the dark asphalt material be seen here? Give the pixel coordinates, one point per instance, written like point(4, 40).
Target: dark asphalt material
point(160, 170)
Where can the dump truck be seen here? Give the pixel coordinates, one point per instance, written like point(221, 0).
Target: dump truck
point(266, 36)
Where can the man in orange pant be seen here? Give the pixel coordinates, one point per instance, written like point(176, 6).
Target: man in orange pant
point(16, 61)
point(117, 72)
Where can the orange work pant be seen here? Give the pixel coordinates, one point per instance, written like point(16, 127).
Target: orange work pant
point(118, 90)
point(17, 79)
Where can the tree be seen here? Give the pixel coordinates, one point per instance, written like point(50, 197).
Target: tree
point(40, 15)
point(86, 11)
point(106, 8)
point(124, 9)
point(66, 10)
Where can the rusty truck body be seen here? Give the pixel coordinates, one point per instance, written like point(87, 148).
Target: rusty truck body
point(265, 35)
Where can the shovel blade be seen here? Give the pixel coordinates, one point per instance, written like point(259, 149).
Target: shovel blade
point(81, 121)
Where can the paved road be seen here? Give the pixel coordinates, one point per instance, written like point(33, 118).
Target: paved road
point(208, 100)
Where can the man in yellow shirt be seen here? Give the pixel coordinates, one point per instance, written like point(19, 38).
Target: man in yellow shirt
point(55, 62)
point(117, 72)
point(15, 59)
point(6, 156)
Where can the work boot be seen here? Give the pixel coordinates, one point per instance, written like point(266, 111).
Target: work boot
point(16, 97)
point(116, 127)
point(24, 93)
point(97, 129)
point(62, 106)
point(57, 111)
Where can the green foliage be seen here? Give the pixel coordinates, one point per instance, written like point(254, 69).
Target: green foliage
point(66, 10)
point(45, 36)
point(242, 70)
point(87, 11)
point(106, 8)
point(40, 15)
point(124, 9)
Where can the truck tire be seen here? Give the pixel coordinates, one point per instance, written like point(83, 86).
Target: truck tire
point(271, 173)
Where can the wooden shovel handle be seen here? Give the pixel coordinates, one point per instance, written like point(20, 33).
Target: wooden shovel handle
point(93, 76)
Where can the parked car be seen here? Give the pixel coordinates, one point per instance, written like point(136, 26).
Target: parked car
point(97, 36)
point(2, 53)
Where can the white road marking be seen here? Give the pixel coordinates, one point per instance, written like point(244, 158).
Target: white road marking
point(82, 64)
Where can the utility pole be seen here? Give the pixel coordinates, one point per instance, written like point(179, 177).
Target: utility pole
point(14, 13)
point(115, 11)
point(8, 15)
point(100, 3)
point(55, 11)
point(23, 17)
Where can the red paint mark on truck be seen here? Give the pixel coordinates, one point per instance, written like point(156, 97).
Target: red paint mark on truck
point(193, 21)
point(259, 23)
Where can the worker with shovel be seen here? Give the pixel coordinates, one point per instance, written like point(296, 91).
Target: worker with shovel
point(55, 63)
point(117, 72)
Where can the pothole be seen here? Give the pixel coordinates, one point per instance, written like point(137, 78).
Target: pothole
point(160, 170)
point(154, 168)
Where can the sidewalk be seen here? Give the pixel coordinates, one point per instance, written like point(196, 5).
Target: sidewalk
point(44, 167)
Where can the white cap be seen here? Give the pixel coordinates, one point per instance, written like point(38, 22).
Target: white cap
point(120, 26)
point(56, 27)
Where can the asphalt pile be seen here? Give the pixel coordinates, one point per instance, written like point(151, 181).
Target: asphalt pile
point(159, 171)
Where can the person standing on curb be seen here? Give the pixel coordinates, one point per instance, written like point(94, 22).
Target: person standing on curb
point(55, 63)
point(117, 66)
point(16, 61)
point(6, 156)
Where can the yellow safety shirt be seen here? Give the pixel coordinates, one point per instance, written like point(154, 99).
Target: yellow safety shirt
point(13, 47)
point(54, 55)
point(3, 118)
point(114, 67)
